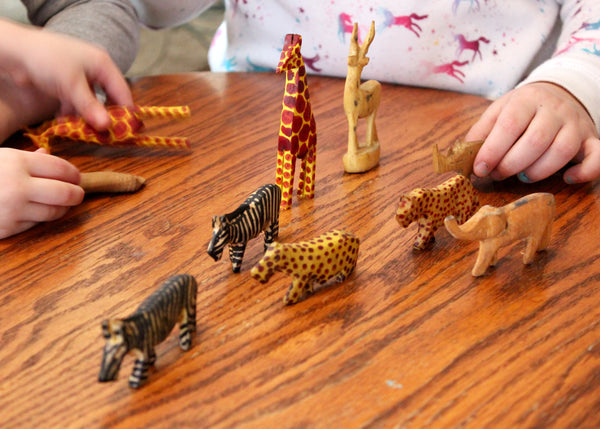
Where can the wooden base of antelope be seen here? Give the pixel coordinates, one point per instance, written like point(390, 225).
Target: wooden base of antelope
point(363, 160)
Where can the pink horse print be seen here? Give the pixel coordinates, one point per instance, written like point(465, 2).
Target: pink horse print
point(470, 45)
point(345, 26)
point(451, 70)
point(406, 21)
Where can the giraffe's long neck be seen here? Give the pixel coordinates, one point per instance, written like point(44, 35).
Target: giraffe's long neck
point(297, 78)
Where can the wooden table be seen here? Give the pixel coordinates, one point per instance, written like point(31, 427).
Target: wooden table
point(411, 339)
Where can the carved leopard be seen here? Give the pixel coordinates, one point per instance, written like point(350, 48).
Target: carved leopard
point(329, 255)
point(430, 206)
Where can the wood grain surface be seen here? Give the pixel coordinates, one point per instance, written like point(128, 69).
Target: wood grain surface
point(411, 339)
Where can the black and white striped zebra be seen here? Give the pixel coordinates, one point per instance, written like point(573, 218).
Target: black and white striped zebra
point(260, 212)
point(174, 301)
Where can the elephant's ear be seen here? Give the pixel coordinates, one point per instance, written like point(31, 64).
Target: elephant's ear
point(497, 221)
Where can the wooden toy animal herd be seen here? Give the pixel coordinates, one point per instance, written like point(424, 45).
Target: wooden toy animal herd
point(453, 204)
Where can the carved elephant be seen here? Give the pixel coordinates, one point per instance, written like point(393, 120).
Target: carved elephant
point(528, 218)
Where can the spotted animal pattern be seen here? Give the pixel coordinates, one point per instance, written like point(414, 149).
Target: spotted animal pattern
point(430, 206)
point(174, 301)
point(315, 261)
point(260, 212)
point(298, 131)
point(126, 123)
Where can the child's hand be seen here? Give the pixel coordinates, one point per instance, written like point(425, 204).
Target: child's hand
point(65, 68)
point(36, 187)
point(534, 131)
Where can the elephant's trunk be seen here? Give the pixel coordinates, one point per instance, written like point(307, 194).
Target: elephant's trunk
point(470, 230)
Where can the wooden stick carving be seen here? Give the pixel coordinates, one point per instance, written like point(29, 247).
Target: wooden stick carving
point(361, 101)
point(459, 157)
point(110, 181)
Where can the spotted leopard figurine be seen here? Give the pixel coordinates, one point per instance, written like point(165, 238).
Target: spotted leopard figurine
point(429, 207)
point(315, 261)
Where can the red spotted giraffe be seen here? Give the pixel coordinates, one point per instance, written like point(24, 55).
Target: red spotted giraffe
point(124, 128)
point(298, 132)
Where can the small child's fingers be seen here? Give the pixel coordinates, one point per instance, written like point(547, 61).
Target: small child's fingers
point(564, 147)
point(481, 129)
point(532, 145)
point(84, 102)
point(511, 123)
point(35, 212)
point(16, 228)
point(110, 78)
point(47, 166)
point(589, 167)
point(54, 192)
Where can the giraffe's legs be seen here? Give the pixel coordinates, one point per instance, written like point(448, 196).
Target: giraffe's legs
point(286, 163)
point(306, 182)
point(175, 142)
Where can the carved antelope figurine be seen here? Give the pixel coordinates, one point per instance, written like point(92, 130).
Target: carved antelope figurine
point(361, 101)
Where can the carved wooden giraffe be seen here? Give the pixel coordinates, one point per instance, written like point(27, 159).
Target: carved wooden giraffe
point(124, 128)
point(361, 101)
point(298, 132)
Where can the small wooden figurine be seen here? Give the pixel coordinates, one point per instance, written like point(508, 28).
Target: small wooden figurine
point(150, 324)
point(459, 157)
point(430, 206)
point(361, 101)
point(110, 181)
point(528, 218)
point(260, 212)
point(125, 126)
point(332, 254)
point(298, 131)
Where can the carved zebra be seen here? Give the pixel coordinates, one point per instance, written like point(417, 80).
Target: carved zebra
point(174, 301)
point(260, 212)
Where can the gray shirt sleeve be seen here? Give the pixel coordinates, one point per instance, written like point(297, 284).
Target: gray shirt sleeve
point(111, 24)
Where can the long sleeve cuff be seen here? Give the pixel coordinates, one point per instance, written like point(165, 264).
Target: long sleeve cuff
point(578, 73)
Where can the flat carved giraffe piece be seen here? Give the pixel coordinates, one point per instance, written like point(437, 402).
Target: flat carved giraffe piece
point(298, 131)
point(126, 123)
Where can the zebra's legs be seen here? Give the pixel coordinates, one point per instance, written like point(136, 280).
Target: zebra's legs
point(139, 376)
point(271, 233)
point(187, 328)
point(236, 254)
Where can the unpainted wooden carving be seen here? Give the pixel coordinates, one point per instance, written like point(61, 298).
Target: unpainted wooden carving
point(527, 218)
point(459, 157)
point(361, 101)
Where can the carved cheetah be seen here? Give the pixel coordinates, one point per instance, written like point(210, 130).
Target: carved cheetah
point(332, 254)
point(430, 206)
